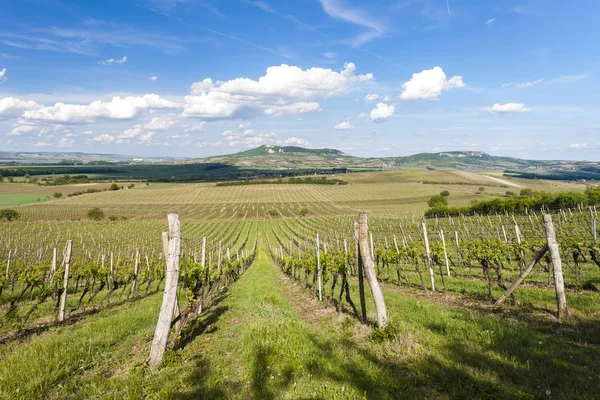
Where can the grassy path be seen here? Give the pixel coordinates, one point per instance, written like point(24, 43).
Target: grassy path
point(267, 338)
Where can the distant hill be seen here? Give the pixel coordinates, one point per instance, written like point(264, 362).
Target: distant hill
point(270, 157)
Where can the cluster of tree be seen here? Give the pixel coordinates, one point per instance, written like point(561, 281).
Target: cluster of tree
point(527, 200)
point(9, 214)
point(48, 170)
point(63, 180)
point(309, 180)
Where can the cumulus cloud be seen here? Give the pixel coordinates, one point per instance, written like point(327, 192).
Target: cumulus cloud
point(112, 61)
point(283, 90)
point(382, 112)
point(118, 108)
point(506, 108)
point(372, 97)
point(429, 85)
point(344, 126)
point(2, 75)
point(18, 130)
point(11, 107)
point(88, 132)
point(249, 138)
point(159, 124)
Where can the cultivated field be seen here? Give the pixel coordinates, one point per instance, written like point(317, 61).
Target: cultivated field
point(251, 324)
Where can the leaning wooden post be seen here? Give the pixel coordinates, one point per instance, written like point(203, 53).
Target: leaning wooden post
point(319, 269)
point(361, 281)
point(161, 334)
point(559, 284)
point(523, 275)
point(429, 263)
point(63, 296)
point(369, 265)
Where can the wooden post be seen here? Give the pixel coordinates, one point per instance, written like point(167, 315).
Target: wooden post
point(369, 266)
point(53, 268)
point(161, 334)
point(429, 263)
point(203, 258)
point(135, 272)
point(371, 238)
point(361, 281)
point(458, 256)
point(559, 284)
point(522, 277)
point(8, 263)
point(112, 271)
point(319, 269)
point(63, 296)
point(445, 252)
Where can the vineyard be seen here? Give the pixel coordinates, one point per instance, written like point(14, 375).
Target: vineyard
point(250, 297)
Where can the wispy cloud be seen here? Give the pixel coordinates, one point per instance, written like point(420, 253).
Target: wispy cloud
point(2, 75)
point(448, 6)
point(490, 21)
point(568, 78)
point(112, 61)
point(87, 38)
point(522, 85)
point(338, 10)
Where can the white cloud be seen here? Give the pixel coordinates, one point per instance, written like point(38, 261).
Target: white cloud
point(344, 126)
point(112, 61)
point(88, 132)
point(106, 138)
point(146, 138)
point(294, 141)
point(245, 125)
point(522, 85)
point(506, 108)
point(42, 144)
point(329, 54)
point(65, 142)
point(11, 107)
point(490, 21)
point(429, 85)
point(578, 146)
point(283, 90)
point(387, 98)
point(118, 108)
point(338, 10)
point(159, 124)
point(382, 112)
point(371, 97)
point(199, 127)
point(21, 129)
point(2, 75)
point(292, 109)
point(153, 78)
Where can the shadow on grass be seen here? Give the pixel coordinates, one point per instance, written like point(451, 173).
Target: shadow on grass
point(202, 323)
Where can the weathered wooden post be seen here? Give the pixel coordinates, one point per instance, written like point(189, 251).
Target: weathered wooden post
point(8, 263)
point(429, 263)
point(63, 297)
point(319, 269)
point(445, 252)
point(559, 284)
point(135, 272)
point(369, 266)
point(203, 258)
point(53, 268)
point(360, 270)
point(161, 334)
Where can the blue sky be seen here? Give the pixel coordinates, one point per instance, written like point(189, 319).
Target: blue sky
point(196, 78)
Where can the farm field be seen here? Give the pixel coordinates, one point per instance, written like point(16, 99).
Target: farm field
point(15, 194)
point(250, 323)
point(395, 192)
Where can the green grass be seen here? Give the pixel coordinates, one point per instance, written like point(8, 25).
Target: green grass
point(12, 200)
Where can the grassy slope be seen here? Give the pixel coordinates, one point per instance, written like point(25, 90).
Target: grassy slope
point(266, 339)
